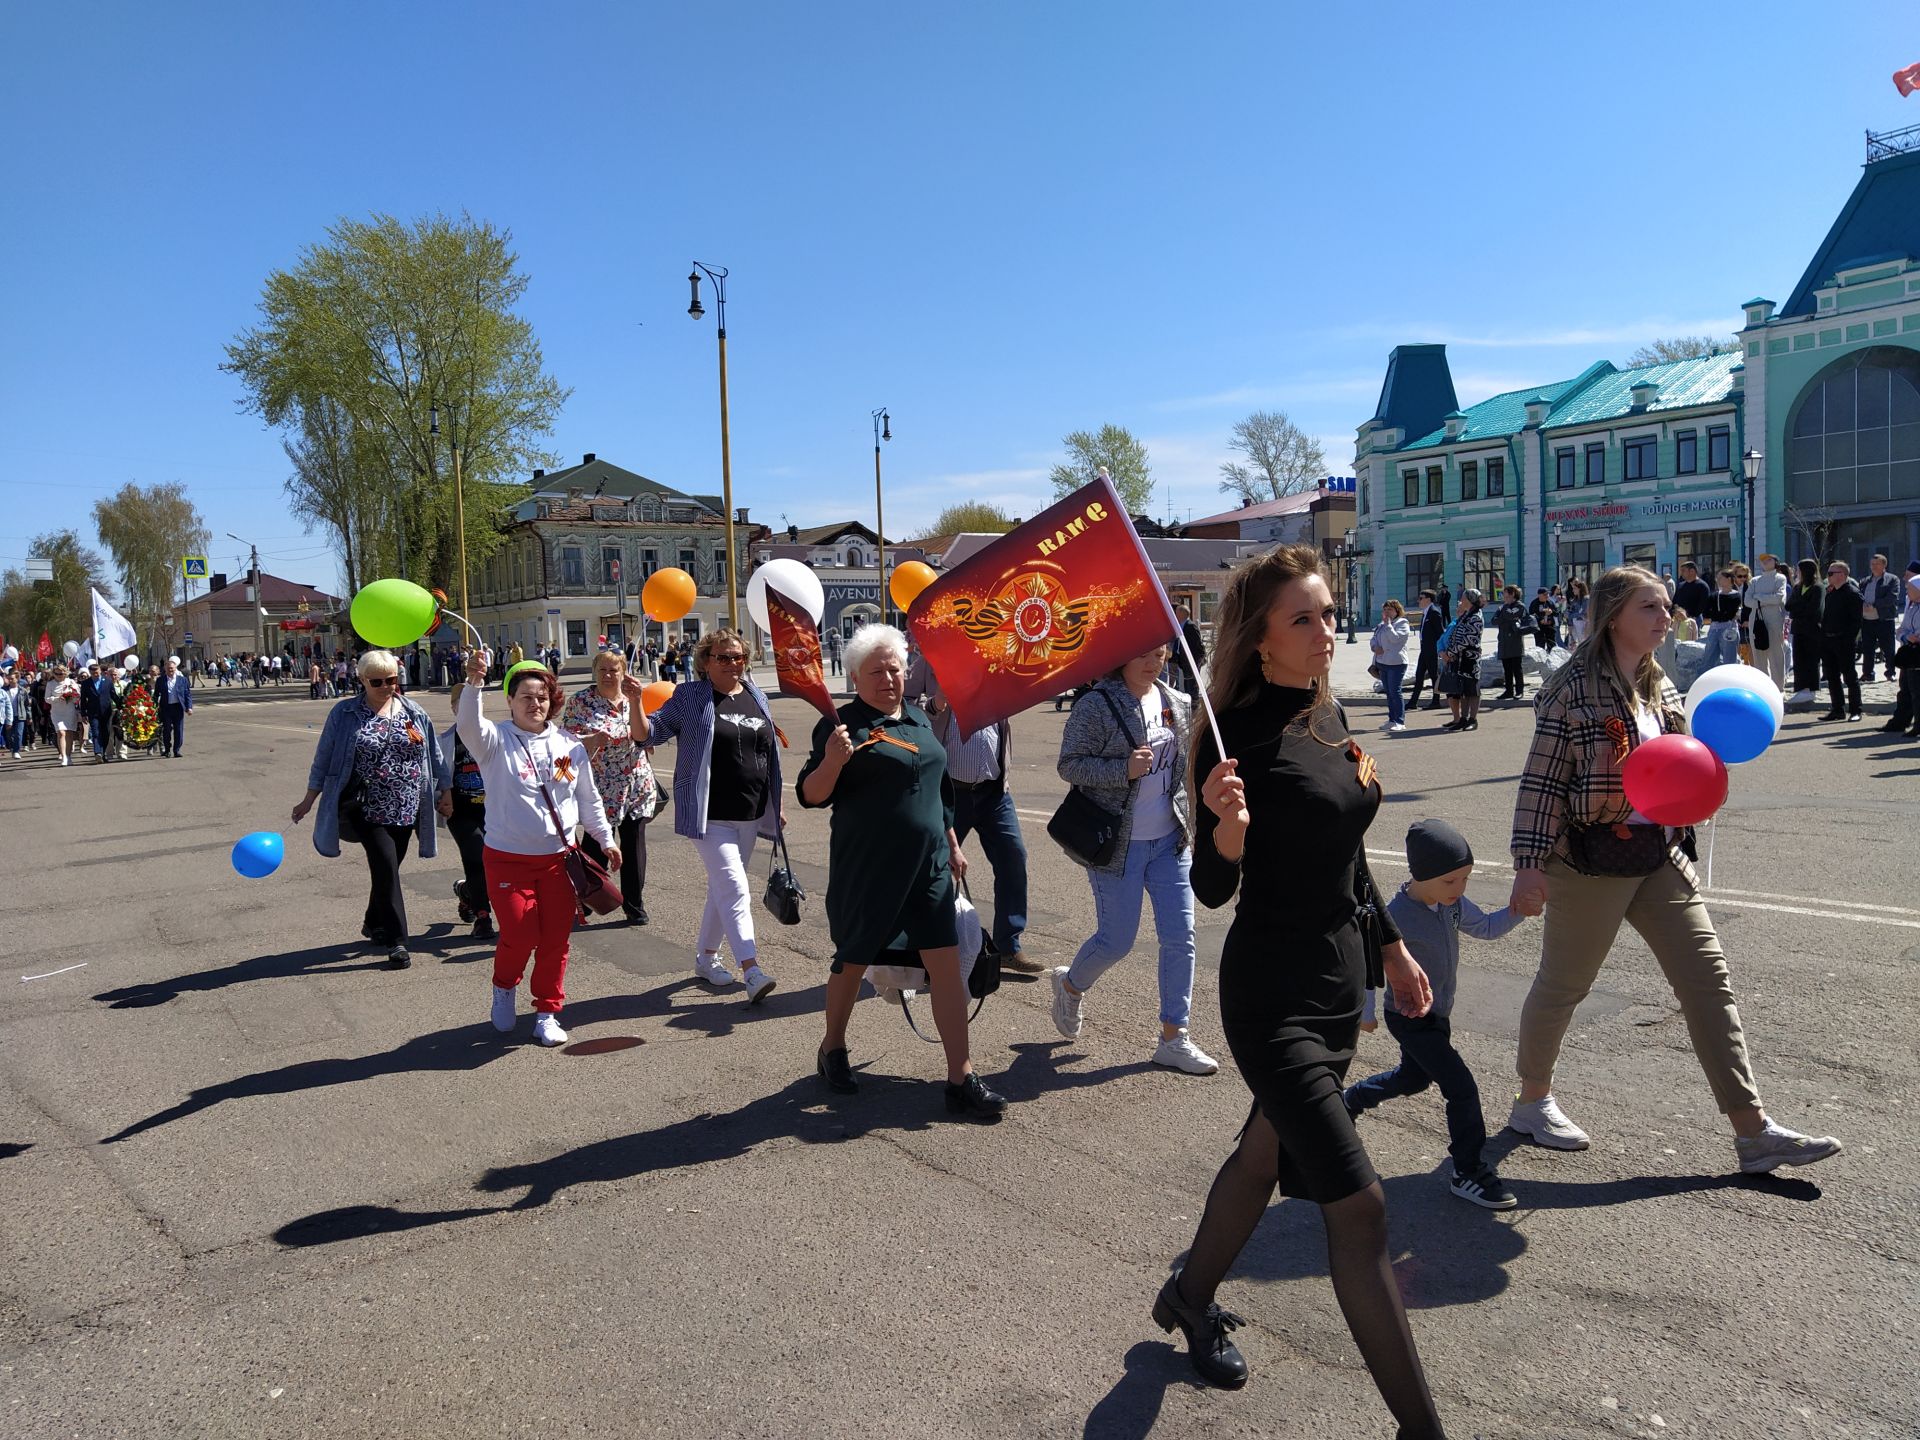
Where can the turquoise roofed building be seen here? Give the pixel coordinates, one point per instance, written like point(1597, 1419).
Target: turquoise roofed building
point(1820, 399)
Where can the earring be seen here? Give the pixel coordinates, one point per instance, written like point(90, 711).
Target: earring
point(1266, 669)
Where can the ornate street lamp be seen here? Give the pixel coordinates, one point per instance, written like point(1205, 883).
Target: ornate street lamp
point(882, 430)
point(1750, 463)
point(718, 275)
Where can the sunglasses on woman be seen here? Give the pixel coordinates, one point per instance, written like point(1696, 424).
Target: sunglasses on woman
point(380, 682)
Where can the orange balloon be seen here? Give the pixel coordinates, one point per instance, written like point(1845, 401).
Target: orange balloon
point(909, 579)
point(653, 696)
point(668, 594)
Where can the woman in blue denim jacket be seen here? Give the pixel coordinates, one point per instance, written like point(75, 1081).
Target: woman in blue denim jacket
point(386, 743)
point(726, 792)
point(1126, 746)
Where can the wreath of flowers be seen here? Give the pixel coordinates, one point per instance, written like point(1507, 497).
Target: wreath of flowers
point(139, 719)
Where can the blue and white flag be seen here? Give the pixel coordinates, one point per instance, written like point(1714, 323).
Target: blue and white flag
point(111, 631)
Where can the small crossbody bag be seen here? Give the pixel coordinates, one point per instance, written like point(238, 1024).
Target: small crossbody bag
point(593, 887)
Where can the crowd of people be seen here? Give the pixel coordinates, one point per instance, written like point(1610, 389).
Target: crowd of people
point(1834, 627)
point(98, 710)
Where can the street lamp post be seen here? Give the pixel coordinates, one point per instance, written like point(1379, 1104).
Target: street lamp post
point(1553, 570)
point(882, 430)
point(718, 275)
point(1750, 464)
point(1353, 614)
point(459, 494)
point(259, 591)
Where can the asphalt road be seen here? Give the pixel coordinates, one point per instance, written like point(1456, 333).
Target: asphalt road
point(257, 1185)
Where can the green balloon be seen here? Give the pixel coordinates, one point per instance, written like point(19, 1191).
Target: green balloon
point(392, 612)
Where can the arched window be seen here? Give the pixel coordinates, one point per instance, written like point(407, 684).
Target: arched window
point(1853, 436)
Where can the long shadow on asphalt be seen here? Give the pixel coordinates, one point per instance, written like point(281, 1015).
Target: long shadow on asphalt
point(800, 1110)
point(466, 1047)
point(1131, 1409)
point(438, 940)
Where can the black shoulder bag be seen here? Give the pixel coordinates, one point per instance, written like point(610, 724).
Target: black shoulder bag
point(1082, 826)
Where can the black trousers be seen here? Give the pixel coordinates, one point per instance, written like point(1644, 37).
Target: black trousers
point(1838, 658)
point(386, 847)
point(468, 826)
point(631, 833)
point(173, 728)
point(1514, 677)
point(1906, 705)
point(1427, 668)
point(1427, 1057)
point(1806, 663)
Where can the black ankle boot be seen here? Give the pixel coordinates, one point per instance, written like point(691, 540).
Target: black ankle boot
point(1215, 1357)
point(973, 1099)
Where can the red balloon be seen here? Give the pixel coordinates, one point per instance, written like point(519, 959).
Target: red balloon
point(1675, 780)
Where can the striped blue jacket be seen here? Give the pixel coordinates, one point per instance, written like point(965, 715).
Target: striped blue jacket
point(688, 717)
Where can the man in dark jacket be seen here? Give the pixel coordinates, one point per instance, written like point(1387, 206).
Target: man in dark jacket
point(1692, 594)
point(1432, 621)
point(1189, 681)
point(1839, 634)
point(1882, 597)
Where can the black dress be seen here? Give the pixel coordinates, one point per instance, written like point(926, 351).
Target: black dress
point(889, 870)
point(1293, 971)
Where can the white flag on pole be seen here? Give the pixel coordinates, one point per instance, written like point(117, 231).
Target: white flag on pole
point(111, 632)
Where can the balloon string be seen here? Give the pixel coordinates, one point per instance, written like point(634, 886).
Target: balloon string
point(446, 610)
point(1713, 831)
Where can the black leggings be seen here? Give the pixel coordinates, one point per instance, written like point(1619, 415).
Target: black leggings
point(386, 847)
point(468, 826)
point(1806, 664)
point(631, 833)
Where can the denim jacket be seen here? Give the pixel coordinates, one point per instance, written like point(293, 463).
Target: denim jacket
point(333, 763)
point(688, 717)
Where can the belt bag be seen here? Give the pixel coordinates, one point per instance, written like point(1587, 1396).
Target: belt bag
point(1617, 850)
point(593, 887)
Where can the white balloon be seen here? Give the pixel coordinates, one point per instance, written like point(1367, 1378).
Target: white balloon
point(795, 581)
point(132, 662)
point(1737, 677)
point(70, 649)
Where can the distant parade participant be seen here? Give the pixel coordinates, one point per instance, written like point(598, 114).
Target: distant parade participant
point(63, 710)
point(601, 715)
point(539, 787)
point(176, 703)
point(468, 825)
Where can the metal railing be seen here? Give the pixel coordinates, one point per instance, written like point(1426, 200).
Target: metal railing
point(1888, 143)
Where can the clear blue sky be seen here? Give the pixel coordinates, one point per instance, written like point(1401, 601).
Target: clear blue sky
point(1003, 221)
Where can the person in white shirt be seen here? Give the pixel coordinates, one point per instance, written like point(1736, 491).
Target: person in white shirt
point(1767, 597)
point(539, 786)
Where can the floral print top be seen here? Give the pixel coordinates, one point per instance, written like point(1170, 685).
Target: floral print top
point(389, 759)
point(621, 772)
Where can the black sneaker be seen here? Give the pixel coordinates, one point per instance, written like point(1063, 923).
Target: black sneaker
point(398, 959)
point(1484, 1188)
point(463, 909)
point(483, 927)
point(832, 1067)
point(973, 1099)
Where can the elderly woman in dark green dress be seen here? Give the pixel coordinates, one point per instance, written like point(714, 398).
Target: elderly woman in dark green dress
point(893, 859)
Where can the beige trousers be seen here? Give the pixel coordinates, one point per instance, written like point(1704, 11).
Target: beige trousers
point(1773, 660)
point(1584, 914)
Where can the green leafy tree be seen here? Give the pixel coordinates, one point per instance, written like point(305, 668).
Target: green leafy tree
point(63, 606)
point(1281, 458)
point(1682, 347)
point(978, 517)
point(147, 530)
point(1114, 447)
point(376, 334)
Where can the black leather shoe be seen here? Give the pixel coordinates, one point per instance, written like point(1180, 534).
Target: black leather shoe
point(1209, 1346)
point(973, 1099)
point(483, 927)
point(1834, 715)
point(637, 915)
point(832, 1067)
point(398, 959)
point(1473, 724)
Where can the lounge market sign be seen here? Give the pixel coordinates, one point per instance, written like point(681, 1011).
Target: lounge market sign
point(1645, 512)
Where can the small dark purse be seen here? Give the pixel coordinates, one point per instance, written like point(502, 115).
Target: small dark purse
point(351, 809)
point(1372, 935)
point(1082, 826)
point(1762, 633)
point(783, 894)
point(1617, 850)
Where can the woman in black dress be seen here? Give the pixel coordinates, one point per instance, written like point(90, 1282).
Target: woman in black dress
point(1288, 808)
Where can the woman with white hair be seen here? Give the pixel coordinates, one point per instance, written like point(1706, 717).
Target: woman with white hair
point(726, 793)
point(893, 860)
point(379, 769)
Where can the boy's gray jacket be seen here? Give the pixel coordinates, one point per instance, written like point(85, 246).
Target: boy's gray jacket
point(1094, 751)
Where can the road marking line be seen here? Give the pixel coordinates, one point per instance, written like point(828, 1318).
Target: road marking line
point(51, 973)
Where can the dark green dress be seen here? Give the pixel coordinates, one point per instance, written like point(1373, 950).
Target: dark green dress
point(889, 877)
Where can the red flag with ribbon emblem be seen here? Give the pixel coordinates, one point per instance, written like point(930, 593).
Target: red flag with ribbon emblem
point(1907, 81)
point(796, 653)
point(44, 650)
point(1056, 603)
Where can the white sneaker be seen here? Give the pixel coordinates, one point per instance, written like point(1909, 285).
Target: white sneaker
point(1776, 1145)
point(1066, 1005)
point(547, 1031)
point(712, 969)
point(759, 984)
point(1396, 727)
point(1545, 1123)
point(1800, 697)
point(504, 1013)
point(1180, 1053)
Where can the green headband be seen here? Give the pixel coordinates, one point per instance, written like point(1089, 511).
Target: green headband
point(506, 683)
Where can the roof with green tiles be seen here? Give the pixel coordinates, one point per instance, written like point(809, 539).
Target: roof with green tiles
point(1600, 392)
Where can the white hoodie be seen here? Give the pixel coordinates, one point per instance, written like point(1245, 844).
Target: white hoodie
point(517, 768)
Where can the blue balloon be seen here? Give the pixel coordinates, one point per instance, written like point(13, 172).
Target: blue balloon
point(259, 854)
point(1737, 725)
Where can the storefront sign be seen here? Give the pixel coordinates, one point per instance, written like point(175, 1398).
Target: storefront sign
point(1644, 512)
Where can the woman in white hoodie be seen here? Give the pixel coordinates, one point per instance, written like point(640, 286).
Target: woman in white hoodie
point(1767, 597)
point(539, 786)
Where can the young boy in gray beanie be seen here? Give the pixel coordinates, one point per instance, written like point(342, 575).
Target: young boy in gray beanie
point(1431, 911)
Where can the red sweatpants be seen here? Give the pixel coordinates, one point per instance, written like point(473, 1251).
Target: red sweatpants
point(534, 905)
